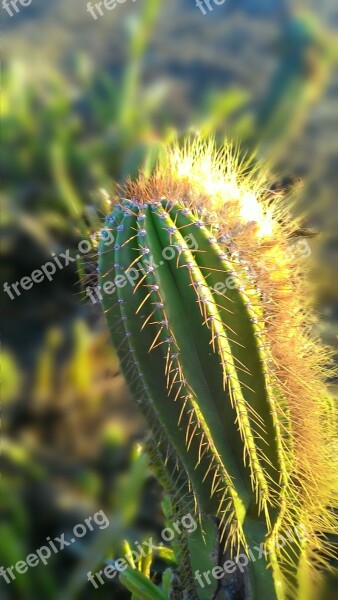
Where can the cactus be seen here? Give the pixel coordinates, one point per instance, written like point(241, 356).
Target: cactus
point(210, 316)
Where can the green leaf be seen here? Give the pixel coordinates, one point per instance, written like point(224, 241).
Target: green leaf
point(140, 586)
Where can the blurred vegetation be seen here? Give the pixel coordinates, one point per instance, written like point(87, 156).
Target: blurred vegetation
point(71, 436)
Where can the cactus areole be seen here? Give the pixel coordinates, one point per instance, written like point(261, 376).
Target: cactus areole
point(210, 315)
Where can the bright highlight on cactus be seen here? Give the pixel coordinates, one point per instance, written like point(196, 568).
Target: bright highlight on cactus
point(214, 340)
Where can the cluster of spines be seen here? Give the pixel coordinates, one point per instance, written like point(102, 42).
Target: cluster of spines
point(220, 345)
point(173, 372)
point(269, 490)
point(212, 321)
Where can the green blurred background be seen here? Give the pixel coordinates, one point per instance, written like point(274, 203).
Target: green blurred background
point(84, 104)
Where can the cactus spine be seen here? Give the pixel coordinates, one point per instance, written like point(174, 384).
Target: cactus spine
point(203, 361)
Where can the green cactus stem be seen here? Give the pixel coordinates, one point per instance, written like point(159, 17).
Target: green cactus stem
point(201, 360)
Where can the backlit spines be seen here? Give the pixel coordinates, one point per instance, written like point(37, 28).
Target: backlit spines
point(205, 362)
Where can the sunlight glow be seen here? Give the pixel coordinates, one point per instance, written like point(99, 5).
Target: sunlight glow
point(220, 182)
point(252, 211)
